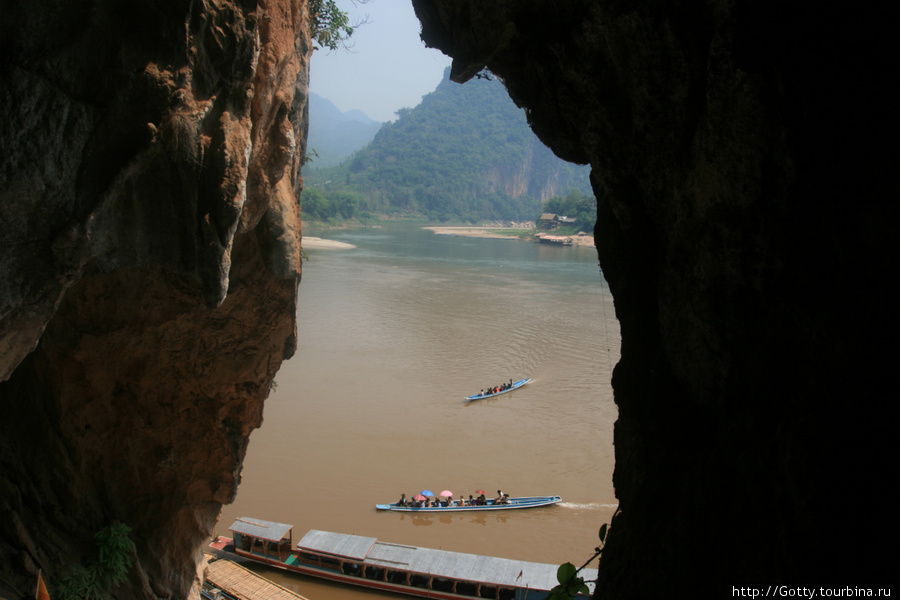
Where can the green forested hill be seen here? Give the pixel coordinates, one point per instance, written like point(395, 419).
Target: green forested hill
point(465, 153)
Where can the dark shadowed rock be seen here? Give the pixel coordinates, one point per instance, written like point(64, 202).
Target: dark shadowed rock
point(742, 157)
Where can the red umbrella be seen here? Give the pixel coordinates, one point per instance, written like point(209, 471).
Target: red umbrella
point(446, 494)
point(480, 492)
point(419, 497)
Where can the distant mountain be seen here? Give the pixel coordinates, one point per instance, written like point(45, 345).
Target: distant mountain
point(335, 135)
point(465, 153)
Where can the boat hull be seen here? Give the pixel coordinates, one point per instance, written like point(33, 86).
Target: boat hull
point(514, 503)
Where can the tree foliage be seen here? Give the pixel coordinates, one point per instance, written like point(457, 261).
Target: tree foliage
point(339, 204)
point(106, 568)
point(579, 206)
point(329, 26)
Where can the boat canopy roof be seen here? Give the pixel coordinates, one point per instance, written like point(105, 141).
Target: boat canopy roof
point(266, 530)
point(440, 563)
point(355, 547)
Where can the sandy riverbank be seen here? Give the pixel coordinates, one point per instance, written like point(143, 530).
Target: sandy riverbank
point(492, 232)
point(316, 242)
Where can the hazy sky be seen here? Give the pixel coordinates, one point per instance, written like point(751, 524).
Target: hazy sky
point(387, 67)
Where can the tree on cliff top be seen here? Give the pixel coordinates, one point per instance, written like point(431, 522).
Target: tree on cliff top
point(330, 26)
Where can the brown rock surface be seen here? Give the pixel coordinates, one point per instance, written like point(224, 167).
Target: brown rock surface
point(149, 163)
point(741, 155)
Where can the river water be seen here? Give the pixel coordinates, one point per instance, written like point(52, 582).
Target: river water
point(393, 334)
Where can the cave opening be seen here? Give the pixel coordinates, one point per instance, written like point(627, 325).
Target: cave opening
point(742, 158)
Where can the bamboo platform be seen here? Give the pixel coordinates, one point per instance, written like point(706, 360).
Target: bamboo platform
point(243, 583)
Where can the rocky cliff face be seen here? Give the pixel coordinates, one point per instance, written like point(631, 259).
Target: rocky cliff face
point(539, 175)
point(149, 163)
point(740, 155)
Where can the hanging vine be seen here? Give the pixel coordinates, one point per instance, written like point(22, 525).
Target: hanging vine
point(570, 584)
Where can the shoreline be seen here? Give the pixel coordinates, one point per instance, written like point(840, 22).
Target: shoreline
point(317, 242)
point(461, 231)
point(491, 232)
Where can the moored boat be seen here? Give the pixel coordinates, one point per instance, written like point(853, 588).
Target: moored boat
point(561, 240)
point(509, 504)
point(397, 568)
point(514, 386)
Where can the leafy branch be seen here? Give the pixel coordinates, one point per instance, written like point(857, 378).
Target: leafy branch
point(104, 570)
point(311, 155)
point(329, 26)
point(570, 584)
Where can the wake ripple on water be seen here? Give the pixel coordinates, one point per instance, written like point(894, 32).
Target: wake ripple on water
point(589, 505)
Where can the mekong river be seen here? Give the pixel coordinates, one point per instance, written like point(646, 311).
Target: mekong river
point(393, 334)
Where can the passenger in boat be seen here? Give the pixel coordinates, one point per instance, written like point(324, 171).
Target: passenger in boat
point(470, 501)
point(402, 501)
point(481, 501)
point(499, 497)
point(462, 500)
point(503, 499)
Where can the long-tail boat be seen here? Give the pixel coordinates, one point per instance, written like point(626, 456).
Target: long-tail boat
point(398, 568)
point(514, 386)
point(490, 504)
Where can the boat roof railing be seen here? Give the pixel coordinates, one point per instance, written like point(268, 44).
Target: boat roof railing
point(266, 530)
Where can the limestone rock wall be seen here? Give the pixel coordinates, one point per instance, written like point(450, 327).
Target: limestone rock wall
point(150, 159)
point(539, 174)
point(741, 154)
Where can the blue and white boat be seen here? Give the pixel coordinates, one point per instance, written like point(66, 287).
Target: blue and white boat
point(514, 386)
point(490, 504)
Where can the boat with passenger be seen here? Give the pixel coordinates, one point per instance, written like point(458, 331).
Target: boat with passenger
point(397, 568)
point(507, 503)
point(499, 390)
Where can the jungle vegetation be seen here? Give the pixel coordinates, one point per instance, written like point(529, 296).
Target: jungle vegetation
point(465, 154)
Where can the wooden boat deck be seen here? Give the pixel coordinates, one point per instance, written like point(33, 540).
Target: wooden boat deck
point(243, 583)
